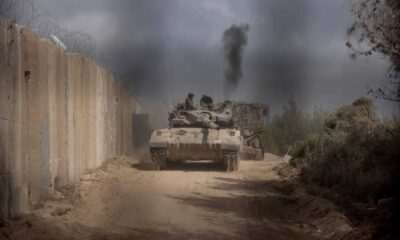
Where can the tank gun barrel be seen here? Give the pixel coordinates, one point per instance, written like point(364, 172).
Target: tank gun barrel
point(210, 124)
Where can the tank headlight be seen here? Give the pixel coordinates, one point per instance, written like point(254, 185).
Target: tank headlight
point(158, 133)
point(232, 133)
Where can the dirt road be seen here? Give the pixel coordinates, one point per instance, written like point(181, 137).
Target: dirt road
point(190, 201)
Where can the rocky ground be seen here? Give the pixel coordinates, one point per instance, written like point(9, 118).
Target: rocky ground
point(124, 200)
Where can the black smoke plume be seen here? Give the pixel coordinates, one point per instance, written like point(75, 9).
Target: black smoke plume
point(234, 39)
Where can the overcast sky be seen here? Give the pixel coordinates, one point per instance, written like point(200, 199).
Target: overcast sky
point(167, 48)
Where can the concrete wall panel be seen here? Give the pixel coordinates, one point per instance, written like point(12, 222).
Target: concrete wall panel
point(13, 180)
point(100, 107)
point(91, 111)
point(34, 62)
point(84, 119)
point(47, 61)
point(60, 167)
point(75, 99)
point(4, 161)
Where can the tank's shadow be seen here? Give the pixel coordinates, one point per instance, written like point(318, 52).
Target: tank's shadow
point(187, 166)
point(196, 166)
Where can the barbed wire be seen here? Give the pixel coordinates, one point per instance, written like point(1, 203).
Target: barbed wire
point(30, 14)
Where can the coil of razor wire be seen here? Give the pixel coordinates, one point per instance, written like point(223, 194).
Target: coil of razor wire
point(30, 14)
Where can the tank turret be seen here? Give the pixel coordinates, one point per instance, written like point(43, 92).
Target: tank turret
point(206, 116)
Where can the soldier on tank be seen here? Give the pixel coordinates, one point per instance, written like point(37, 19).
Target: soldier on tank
point(189, 102)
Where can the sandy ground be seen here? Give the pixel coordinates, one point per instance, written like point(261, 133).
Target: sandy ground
point(124, 200)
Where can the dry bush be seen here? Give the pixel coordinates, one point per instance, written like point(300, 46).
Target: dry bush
point(355, 162)
point(291, 127)
point(356, 157)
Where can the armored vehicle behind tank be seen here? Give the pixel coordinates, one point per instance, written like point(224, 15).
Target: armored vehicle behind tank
point(205, 133)
point(251, 119)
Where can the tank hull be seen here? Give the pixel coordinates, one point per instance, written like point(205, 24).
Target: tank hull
point(195, 144)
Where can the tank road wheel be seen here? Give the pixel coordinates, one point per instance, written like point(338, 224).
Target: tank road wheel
point(236, 161)
point(159, 163)
point(159, 158)
point(231, 161)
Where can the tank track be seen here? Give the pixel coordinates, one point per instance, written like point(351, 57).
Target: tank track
point(231, 161)
point(159, 158)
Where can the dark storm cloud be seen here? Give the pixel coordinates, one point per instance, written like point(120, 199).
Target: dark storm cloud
point(136, 52)
point(280, 60)
point(234, 40)
point(164, 49)
point(299, 51)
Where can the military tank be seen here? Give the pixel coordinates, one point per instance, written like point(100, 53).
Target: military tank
point(203, 133)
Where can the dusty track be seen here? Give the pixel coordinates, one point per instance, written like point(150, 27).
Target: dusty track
point(191, 201)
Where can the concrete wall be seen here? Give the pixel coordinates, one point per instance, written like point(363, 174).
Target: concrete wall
point(60, 115)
